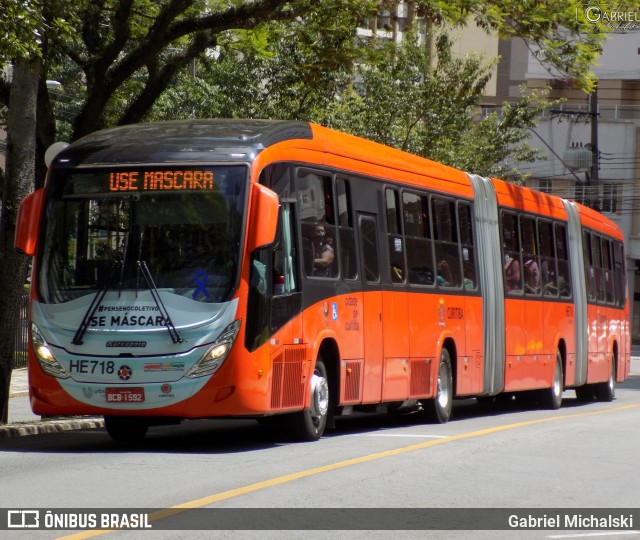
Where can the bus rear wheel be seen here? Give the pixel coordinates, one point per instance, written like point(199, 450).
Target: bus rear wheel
point(551, 398)
point(439, 408)
point(309, 424)
point(126, 428)
point(606, 391)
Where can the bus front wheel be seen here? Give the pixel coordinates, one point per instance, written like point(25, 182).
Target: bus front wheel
point(308, 425)
point(439, 408)
point(125, 428)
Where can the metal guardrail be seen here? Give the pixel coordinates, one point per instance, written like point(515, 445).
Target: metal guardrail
point(22, 334)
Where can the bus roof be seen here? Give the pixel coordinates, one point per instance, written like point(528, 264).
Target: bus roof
point(181, 140)
point(235, 140)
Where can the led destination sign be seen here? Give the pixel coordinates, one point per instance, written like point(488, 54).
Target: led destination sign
point(190, 179)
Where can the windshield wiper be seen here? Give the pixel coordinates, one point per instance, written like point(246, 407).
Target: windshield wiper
point(155, 294)
point(95, 303)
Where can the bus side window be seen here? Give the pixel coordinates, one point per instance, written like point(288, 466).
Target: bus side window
point(548, 262)
point(258, 308)
point(347, 232)
point(562, 258)
point(317, 214)
point(285, 279)
point(530, 264)
point(596, 248)
point(369, 241)
point(589, 266)
point(607, 263)
point(511, 253)
point(417, 231)
point(445, 236)
point(465, 223)
point(395, 237)
point(619, 273)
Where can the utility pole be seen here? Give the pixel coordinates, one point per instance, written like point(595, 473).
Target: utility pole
point(594, 180)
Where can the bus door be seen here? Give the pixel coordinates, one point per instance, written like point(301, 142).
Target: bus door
point(534, 361)
point(515, 305)
point(603, 291)
point(287, 350)
point(596, 314)
point(371, 308)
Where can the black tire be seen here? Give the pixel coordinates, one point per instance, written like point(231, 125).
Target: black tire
point(309, 424)
point(585, 393)
point(126, 428)
point(551, 398)
point(439, 409)
point(606, 391)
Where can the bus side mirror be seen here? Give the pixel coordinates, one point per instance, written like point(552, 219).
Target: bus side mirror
point(263, 219)
point(28, 223)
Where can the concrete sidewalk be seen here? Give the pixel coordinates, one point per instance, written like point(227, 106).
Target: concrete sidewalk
point(22, 421)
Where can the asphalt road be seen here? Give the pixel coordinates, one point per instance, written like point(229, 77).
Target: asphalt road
point(579, 457)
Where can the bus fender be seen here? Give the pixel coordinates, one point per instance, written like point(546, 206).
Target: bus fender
point(323, 336)
point(568, 359)
point(444, 336)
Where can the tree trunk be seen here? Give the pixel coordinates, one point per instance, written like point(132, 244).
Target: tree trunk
point(19, 182)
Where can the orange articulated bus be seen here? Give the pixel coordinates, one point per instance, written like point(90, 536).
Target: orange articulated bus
point(284, 271)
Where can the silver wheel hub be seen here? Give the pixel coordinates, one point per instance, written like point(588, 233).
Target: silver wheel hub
point(319, 396)
point(443, 387)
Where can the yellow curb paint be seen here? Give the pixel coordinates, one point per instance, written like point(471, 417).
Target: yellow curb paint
point(212, 499)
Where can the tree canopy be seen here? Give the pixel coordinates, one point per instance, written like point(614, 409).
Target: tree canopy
point(125, 53)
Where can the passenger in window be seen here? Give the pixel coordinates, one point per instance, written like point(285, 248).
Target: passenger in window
point(323, 252)
point(531, 275)
point(512, 273)
point(469, 275)
point(444, 278)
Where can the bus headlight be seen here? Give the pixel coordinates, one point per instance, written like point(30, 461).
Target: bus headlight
point(45, 356)
point(215, 356)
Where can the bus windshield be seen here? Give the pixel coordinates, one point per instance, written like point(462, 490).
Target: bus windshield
point(102, 225)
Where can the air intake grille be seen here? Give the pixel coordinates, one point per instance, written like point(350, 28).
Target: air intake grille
point(287, 386)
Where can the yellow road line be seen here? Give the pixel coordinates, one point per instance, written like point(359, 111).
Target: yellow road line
point(212, 499)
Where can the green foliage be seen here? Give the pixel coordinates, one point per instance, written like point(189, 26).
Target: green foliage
point(24, 25)
point(20, 30)
point(282, 70)
point(433, 112)
point(397, 99)
point(128, 60)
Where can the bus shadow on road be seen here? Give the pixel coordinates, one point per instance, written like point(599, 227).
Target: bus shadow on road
point(218, 436)
point(222, 436)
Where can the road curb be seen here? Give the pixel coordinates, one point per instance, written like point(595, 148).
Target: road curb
point(49, 426)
